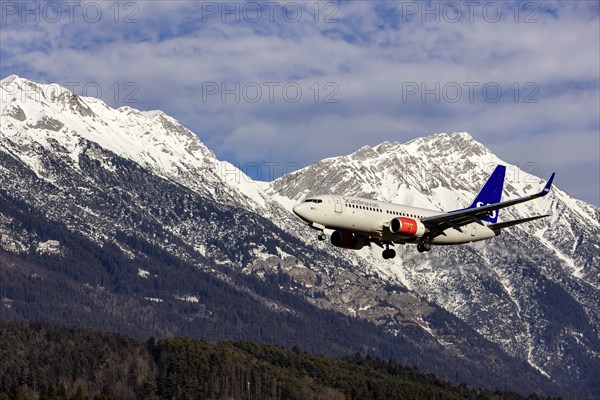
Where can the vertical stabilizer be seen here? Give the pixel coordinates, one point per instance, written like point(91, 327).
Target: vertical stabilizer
point(491, 193)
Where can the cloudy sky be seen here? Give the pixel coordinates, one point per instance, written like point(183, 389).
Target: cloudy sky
point(289, 83)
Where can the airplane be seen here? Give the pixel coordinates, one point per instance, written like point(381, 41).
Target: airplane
point(358, 222)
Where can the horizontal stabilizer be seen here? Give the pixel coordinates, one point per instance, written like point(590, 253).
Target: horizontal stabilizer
point(502, 225)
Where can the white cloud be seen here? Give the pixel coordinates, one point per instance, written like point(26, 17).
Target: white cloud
point(370, 57)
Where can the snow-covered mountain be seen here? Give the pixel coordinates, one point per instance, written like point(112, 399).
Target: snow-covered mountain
point(142, 185)
point(51, 115)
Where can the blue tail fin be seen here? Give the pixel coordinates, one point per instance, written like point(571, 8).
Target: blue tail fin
point(491, 192)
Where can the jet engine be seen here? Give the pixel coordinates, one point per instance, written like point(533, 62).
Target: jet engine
point(347, 240)
point(406, 227)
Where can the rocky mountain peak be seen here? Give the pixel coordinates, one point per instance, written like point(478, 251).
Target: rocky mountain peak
point(29, 101)
point(21, 89)
point(47, 113)
point(442, 146)
point(459, 144)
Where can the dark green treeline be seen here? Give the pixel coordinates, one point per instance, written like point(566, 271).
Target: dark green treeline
point(40, 361)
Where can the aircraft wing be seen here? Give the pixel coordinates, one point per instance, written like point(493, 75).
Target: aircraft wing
point(455, 219)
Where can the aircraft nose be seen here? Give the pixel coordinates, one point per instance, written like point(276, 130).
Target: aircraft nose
point(300, 210)
point(297, 209)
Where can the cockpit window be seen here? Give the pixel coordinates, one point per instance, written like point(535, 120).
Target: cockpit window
point(313, 201)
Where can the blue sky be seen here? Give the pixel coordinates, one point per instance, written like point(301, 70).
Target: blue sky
point(293, 82)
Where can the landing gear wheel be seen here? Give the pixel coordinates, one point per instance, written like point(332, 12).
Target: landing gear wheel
point(389, 253)
point(423, 246)
point(321, 236)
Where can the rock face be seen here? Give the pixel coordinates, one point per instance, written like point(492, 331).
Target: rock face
point(117, 218)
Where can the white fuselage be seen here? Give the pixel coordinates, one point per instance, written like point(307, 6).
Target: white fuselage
point(371, 218)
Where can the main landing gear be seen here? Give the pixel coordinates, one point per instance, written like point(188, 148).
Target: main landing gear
point(388, 253)
point(424, 246)
point(321, 236)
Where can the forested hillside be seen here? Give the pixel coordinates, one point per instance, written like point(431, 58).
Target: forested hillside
point(41, 361)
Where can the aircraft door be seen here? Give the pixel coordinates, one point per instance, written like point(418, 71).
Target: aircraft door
point(473, 230)
point(338, 204)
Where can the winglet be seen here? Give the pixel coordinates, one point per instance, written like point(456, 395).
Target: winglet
point(546, 188)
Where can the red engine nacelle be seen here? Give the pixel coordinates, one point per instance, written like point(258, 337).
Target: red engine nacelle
point(407, 227)
point(347, 240)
